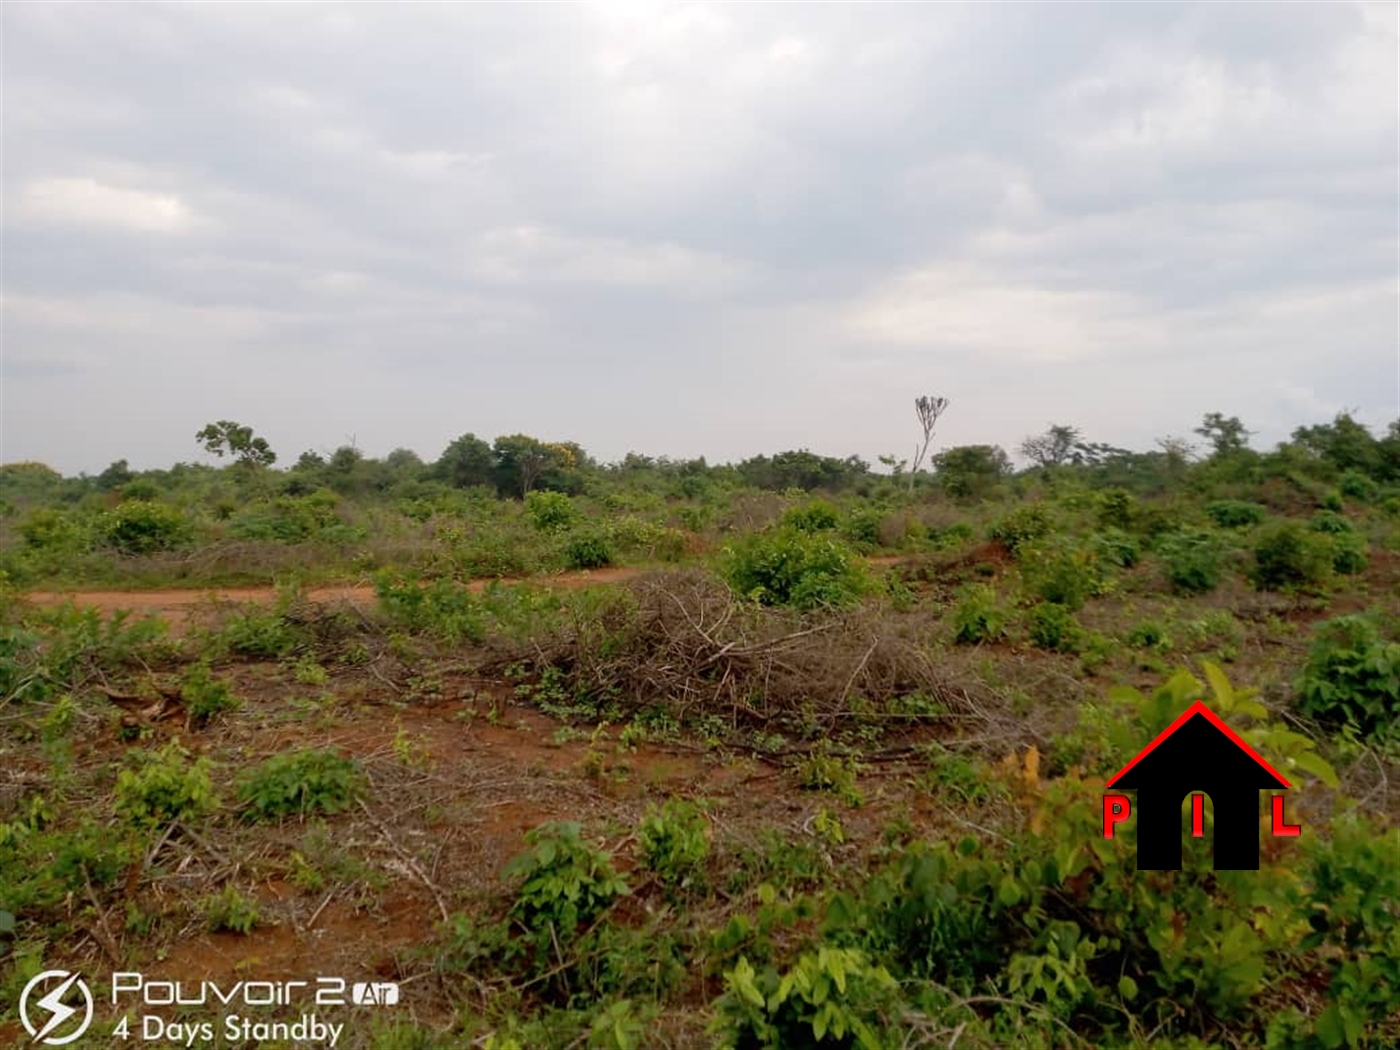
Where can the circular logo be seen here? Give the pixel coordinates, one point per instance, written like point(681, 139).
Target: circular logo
point(59, 1015)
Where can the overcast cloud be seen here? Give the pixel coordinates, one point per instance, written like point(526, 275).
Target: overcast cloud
point(692, 229)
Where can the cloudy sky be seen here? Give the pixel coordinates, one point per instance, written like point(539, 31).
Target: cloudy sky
point(692, 229)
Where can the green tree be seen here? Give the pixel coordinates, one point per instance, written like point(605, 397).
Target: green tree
point(227, 438)
point(1056, 447)
point(467, 461)
point(1226, 435)
point(1344, 443)
point(522, 461)
point(971, 471)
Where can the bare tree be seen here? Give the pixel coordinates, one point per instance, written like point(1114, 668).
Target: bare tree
point(929, 409)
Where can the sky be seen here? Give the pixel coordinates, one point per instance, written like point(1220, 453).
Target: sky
point(692, 229)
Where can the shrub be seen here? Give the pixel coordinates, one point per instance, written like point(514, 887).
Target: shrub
point(165, 786)
point(1117, 547)
point(1117, 509)
point(1355, 485)
point(550, 511)
point(1193, 561)
point(1289, 557)
point(675, 841)
point(1330, 522)
point(566, 883)
point(816, 516)
point(862, 526)
point(788, 567)
point(588, 550)
point(1149, 635)
point(978, 617)
point(204, 695)
point(1063, 574)
point(1352, 677)
point(1021, 527)
point(297, 783)
point(1053, 627)
point(1349, 554)
point(832, 996)
point(1235, 513)
point(45, 529)
point(229, 910)
point(263, 634)
point(139, 527)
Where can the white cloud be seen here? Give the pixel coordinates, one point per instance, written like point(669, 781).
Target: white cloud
point(960, 307)
point(87, 202)
point(540, 254)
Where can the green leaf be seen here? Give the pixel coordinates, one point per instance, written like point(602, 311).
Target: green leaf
point(7, 922)
point(1008, 892)
point(1127, 988)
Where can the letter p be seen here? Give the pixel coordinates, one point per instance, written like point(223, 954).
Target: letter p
point(1116, 809)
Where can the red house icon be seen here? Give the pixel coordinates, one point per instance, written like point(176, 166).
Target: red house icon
point(1198, 753)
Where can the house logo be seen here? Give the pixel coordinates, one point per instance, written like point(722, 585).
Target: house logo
point(1197, 755)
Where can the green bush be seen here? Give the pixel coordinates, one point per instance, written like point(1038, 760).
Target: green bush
point(1330, 522)
point(230, 911)
point(830, 997)
point(588, 550)
point(550, 511)
point(1116, 509)
point(1352, 677)
point(139, 527)
point(1116, 547)
point(205, 697)
point(1053, 627)
point(1022, 527)
point(1355, 485)
point(49, 530)
point(1193, 561)
point(816, 516)
point(862, 526)
point(165, 786)
point(1288, 556)
point(978, 617)
point(674, 843)
point(300, 783)
point(787, 567)
point(1062, 574)
point(1349, 554)
point(566, 883)
point(1235, 513)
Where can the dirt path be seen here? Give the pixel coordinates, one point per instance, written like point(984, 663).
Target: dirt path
point(178, 604)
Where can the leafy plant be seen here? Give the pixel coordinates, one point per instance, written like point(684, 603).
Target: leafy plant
point(1352, 677)
point(550, 511)
point(231, 910)
point(1193, 561)
point(674, 843)
point(1053, 627)
point(815, 516)
point(204, 695)
point(299, 783)
point(1289, 557)
point(788, 567)
point(587, 550)
point(566, 883)
point(1235, 514)
point(1022, 527)
point(978, 617)
point(165, 786)
point(830, 997)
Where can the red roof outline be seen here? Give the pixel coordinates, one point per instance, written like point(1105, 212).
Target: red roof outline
point(1199, 708)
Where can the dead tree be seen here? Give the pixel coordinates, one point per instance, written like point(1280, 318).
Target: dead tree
point(929, 409)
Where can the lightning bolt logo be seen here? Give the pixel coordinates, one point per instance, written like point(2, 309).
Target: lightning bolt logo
point(58, 1010)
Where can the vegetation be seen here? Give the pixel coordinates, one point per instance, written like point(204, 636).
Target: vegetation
point(820, 764)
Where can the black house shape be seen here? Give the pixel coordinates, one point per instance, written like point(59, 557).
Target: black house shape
point(1198, 752)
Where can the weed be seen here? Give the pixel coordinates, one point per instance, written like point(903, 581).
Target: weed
point(588, 550)
point(205, 696)
point(1289, 557)
point(978, 617)
point(565, 884)
point(299, 783)
point(1193, 560)
point(1053, 627)
point(165, 786)
point(795, 568)
point(674, 842)
point(230, 910)
point(1352, 677)
point(1235, 514)
point(823, 772)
